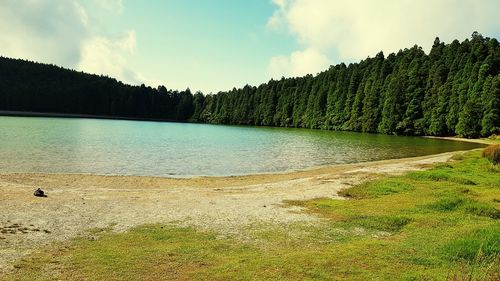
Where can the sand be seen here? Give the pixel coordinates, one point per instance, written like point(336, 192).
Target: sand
point(229, 205)
point(481, 141)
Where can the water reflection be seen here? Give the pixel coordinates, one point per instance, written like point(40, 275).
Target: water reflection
point(165, 149)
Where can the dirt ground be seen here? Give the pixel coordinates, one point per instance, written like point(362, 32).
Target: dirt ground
point(229, 205)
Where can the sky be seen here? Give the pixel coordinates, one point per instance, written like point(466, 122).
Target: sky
point(214, 45)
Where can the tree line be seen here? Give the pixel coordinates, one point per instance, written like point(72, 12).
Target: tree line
point(453, 90)
point(31, 86)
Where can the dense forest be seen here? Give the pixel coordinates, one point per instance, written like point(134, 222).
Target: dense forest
point(30, 86)
point(453, 90)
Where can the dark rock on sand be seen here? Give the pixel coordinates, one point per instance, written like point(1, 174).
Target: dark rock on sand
point(40, 193)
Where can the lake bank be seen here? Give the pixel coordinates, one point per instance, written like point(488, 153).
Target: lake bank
point(228, 205)
point(86, 116)
point(480, 141)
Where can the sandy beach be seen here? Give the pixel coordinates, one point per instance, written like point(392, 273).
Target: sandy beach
point(229, 205)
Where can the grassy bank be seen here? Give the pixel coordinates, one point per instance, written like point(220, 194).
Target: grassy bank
point(430, 225)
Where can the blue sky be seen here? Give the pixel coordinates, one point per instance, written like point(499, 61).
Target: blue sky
point(213, 45)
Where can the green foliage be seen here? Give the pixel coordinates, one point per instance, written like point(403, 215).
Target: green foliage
point(468, 125)
point(29, 86)
point(455, 90)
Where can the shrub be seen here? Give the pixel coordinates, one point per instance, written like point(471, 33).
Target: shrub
point(494, 137)
point(492, 152)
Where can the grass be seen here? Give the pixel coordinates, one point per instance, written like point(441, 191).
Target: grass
point(483, 242)
point(441, 224)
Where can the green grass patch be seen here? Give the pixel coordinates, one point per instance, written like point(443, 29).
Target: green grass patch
point(447, 204)
point(480, 244)
point(470, 206)
point(482, 209)
point(441, 224)
point(442, 174)
point(376, 189)
point(382, 223)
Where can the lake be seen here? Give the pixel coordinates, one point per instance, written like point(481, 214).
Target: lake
point(119, 147)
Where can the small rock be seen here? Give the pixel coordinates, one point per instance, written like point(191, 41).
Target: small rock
point(40, 193)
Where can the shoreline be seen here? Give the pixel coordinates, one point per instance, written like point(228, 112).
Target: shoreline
point(484, 141)
point(78, 203)
point(275, 173)
point(10, 113)
point(261, 175)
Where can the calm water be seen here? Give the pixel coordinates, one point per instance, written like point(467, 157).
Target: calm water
point(54, 145)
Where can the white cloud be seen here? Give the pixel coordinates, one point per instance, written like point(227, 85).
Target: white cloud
point(84, 18)
point(41, 30)
point(299, 63)
point(356, 29)
point(62, 32)
point(108, 56)
point(115, 6)
point(280, 3)
point(277, 19)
